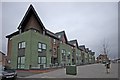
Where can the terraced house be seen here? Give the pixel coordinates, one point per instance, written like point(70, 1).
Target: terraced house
point(32, 46)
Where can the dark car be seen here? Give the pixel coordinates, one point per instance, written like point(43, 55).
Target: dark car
point(9, 73)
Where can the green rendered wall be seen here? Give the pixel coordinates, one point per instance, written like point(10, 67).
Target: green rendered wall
point(35, 38)
point(15, 40)
point(67, 48)
point(79, 56)
point(31, 51)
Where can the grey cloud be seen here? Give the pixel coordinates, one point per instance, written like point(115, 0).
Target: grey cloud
point(89, 23)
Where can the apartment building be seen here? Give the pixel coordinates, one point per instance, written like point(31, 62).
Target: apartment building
point(32, 46)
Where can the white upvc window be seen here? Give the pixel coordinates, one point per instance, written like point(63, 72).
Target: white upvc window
point(41, 60)
point(44, 46)
point(22, 60)
point(41, 47)
point(59, 36)
point(18, 60)
point(39, 50)
point(21, 45)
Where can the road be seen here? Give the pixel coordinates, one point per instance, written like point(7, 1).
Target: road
point(86, 71)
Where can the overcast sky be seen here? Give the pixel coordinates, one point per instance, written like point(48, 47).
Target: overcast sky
point(89, 22)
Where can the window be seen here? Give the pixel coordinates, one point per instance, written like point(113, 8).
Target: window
point(74, 44)
point(68, 56)
point(54, 50)
point(39, 50)
point(63, 55)
point(41, 60)
point(18, 60)
point(21, 45)
point(41, 47)
point(44, 46)
point(21, 62)
point(54, 41)
point(35, 30)
point(59, 36)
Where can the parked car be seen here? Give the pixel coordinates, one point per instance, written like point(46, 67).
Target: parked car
point(9, 73)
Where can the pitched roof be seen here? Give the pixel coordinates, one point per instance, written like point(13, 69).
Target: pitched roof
point(93, 53)
point(2, 53)
point(87, 50)
point(62, 33)
point(70, 44)
point(51, 34)
point(82, 47)
point(74, 42)
point(13, 34)
point(29, 12)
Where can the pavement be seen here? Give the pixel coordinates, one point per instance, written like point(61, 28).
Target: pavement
point(86, 71)
point(24, 73)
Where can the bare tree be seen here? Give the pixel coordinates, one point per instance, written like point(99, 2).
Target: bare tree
point(106, 47)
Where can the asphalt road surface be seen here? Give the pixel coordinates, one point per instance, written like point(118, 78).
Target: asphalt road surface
point(86, 71)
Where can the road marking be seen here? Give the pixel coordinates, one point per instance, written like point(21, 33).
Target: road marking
point(47, 77)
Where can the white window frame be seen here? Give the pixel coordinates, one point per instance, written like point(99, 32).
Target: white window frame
point(21, 62)
point(39, 45)
point(44, 47)
point(41, 60)
point(23, 44)
point(19, 45)
point(59, 36)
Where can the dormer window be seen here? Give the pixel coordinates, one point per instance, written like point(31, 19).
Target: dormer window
point(35, 30)
point(74, 44)
point(59, 36)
